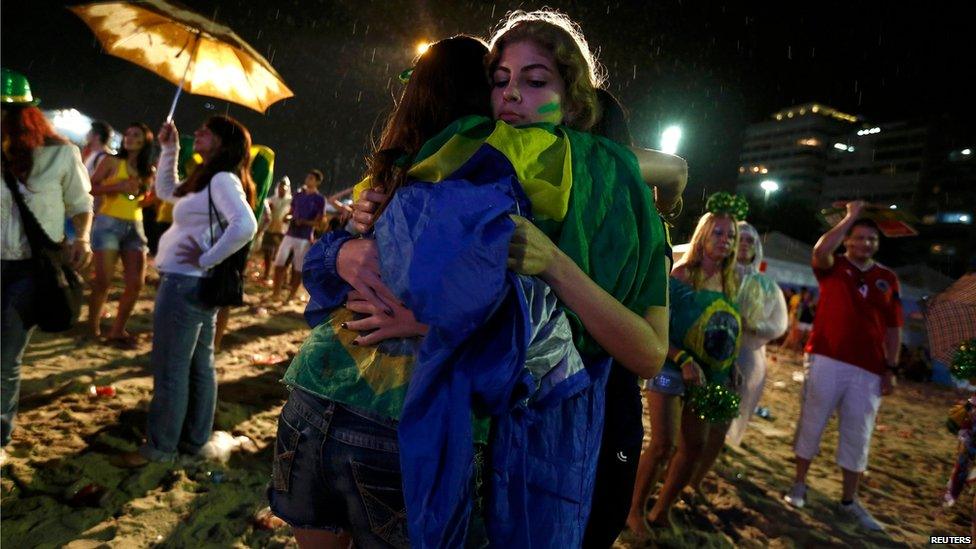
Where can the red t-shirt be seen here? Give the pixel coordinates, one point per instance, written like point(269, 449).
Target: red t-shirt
point(856, 309)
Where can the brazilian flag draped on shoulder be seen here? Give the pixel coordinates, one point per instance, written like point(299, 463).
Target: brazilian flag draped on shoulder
point(585, 193)
point(443, 244)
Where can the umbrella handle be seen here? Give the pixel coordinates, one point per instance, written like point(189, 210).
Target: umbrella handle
point(176, 98)
point(179, 88)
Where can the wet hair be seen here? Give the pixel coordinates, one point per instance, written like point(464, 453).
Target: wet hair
point(25, 128)
point(556, 33)
point(865, 222)
point(448, 82)
point(234, 156)
point(103, 130)
point(696, 253)
point(144, 164)
point(318, 174)
point(613, 123)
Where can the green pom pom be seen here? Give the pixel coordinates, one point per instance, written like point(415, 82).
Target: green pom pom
point(715, 403)
point(964, 360)
point(725, 203)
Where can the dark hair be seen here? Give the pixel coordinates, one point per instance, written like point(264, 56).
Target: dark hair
point(24, 129)
point(234, 156)
point(613, 122)
point(318, 174)
point(865, 222)
point(448, 82)
point(102, 129)
point(144, 163)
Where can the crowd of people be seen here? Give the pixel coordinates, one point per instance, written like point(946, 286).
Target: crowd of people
point(491, 326)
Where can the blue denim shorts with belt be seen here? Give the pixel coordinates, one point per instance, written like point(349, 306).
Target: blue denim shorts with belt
point(337, 468)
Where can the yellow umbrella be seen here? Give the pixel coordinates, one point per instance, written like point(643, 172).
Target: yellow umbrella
point(195, 53)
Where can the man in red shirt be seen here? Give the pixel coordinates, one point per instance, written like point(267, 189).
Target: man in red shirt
point(851, 354)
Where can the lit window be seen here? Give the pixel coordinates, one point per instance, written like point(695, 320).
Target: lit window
point(962, 218)
point(809, 142)
point(840, 146)
point(967, 152)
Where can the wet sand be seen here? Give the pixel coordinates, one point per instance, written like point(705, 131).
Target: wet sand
point(60, 487)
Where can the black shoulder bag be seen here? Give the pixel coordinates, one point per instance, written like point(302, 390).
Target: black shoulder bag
point(59, 289)
point(225, 284)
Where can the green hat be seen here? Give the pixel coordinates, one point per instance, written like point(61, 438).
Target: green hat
point(16, 90)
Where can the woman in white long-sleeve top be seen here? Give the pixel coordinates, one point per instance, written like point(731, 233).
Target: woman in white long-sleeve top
point(184, 381)
point(764, 319)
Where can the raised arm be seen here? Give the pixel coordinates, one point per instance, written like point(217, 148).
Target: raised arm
point(667, 173)
point(166, 176)
point(823, 251)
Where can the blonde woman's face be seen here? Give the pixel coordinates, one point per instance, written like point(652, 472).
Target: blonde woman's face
point(526, 86)
point(719, 242)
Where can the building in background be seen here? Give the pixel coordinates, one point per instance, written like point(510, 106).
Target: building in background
point(791, 149)
point(925, 166)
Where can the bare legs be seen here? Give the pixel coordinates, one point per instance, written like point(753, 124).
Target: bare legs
point(665, 411)
point(713, 447)
point(694, 433)
point(223, 316)
point(134, 275)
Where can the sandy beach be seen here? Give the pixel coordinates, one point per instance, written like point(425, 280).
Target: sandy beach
point(60, 487)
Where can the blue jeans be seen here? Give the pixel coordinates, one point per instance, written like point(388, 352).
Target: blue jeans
point(112, 233)
point(184, 380)
point(337, 468)
point(16, 295)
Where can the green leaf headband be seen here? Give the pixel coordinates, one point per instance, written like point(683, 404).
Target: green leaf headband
point(725, 203)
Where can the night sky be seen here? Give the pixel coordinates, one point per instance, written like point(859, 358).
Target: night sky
point(710, 67)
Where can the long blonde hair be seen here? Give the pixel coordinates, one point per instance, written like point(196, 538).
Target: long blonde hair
point(560, 36)
point(692, 260)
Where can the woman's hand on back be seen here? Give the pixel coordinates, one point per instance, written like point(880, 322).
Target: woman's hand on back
point(364, 210)
point(358, 263)
point(397, 321)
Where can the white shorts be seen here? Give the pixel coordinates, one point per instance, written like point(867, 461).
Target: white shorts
point(854, 393)
point(296, 247)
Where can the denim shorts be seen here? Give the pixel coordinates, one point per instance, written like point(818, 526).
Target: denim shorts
point(337, 468)
point(668, 381)
point(112, 233)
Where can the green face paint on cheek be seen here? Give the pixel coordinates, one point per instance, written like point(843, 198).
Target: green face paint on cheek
point(550, 112)
point(548, 108)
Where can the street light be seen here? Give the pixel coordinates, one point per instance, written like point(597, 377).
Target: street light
point(670, 139)
point(422, 47)
point(768, 186)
